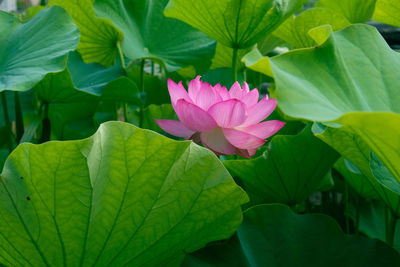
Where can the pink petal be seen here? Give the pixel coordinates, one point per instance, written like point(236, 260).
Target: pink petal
point(251, 98)
point(216, 141)
point(175, 128)
point(263, 129)
point(259, 111)
point(229, 113)
point(194, 87)
point(222, 91)
point(177, 91)
point(207, 97)
point(236, 91)
point(246, 87)
point(193, 117)
point(242, 140)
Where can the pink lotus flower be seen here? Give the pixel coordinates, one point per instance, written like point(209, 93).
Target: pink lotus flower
point(225, 122)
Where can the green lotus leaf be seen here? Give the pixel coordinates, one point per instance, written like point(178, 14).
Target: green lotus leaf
point(326, 83)
point(358, 154)
point(356, 11)
point(124, 196)
point(28, 51)
point(273, 235)
point(357, 180)
point(388, 11)
point(233, 23)
point(98, 42)
point(292, 168)
point(295, 30)
point(149, 34)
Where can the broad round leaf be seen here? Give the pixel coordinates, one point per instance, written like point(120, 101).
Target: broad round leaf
point(274, 236)
point(234, 23)
point(388, 11)
point(148, 33)
point(124, 196)
point(31, 50)
point(352, 147)
point(290, 170)
point(295, 30)
point(98, 41)
point(326, 83)
point(356, 11)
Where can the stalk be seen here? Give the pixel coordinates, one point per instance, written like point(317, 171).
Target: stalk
point(142, 90)
point(121, 54)
point(234, 64)
point(18, 117)
point(7, 121)
point(346, 200)
point(46, 127)
point(391, 220)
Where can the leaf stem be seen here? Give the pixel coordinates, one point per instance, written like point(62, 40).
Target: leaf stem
point(234, 64)
point(121, 54)
point(46, 126)
point(391, 221)
point(125, 111)
point(19, 120)
point(7, 121)
point(142, 91)
point(346, 207)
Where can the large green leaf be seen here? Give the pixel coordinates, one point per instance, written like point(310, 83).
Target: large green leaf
point(273, 235)
point(124, 196)
point(148, 34)
point(356, 11)
point(234, 23)
point(326, 83)
point(352, 147)
point(290, 170)
point(31, 50)
point(98, 42)
point(388, 11)
point(295, 30)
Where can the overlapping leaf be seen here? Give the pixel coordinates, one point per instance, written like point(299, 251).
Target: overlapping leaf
point(327, 83)
point(149, 34)
point(355, 150)
point(98, 41)
point(290, 170)
point(356, 11)
point(388, 11)
point(125, 196)
point(31, 50)
point(273, 235)
point(295, 30)
point(234, 23)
